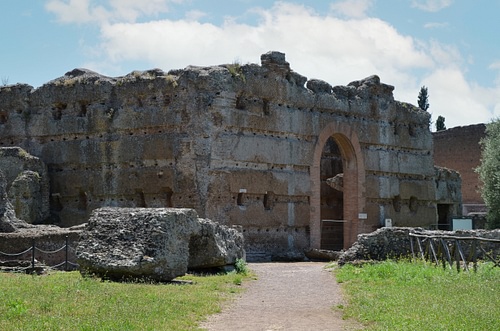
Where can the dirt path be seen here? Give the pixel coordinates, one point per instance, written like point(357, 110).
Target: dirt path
point(285, 296)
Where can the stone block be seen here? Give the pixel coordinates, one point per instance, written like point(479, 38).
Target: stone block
point(154, 243)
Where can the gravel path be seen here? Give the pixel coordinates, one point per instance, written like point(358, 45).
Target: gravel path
point(285, 296)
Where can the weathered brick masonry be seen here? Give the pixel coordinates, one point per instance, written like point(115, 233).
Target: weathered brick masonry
point(458, 149)
point(250, 145)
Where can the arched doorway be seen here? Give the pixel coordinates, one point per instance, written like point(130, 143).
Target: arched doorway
point(332, 197)
point(337, 151)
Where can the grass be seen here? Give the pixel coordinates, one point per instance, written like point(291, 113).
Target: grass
point(236, 71)
point(419, 296)
point(67, 301)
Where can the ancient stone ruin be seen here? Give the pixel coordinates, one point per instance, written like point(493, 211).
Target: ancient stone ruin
point(249, 145)
point(154, 243)
point(394, 243)
point(27, 184)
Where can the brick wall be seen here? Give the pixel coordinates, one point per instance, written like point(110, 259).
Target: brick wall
point(458, 149)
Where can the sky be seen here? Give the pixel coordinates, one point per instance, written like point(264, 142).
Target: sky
point(449, 46)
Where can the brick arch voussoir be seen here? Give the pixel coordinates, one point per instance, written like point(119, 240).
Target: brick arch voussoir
point(354, 179)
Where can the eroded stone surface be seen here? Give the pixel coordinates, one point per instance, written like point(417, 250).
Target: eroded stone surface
point(27, 184)
point(8, 220)
point(132, 243)
point(386, 243)
point(7, 215)
point(26, 197)
point(154, 243)
point(215, 245)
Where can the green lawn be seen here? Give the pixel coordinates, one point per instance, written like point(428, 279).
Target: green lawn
point(67, 301)
point(418, 296)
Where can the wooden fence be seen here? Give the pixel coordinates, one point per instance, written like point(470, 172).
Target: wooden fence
point(449, 250)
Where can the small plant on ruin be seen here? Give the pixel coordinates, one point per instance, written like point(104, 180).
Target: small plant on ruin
point(172, 80)
point(110, 113)
point(236, 71)
point(5, 81)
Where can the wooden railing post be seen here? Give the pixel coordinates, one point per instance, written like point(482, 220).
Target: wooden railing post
point(473, 252)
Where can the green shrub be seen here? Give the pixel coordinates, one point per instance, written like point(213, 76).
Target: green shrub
point(241, 267)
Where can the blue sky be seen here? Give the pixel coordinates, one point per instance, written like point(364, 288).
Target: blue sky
point(447, 45)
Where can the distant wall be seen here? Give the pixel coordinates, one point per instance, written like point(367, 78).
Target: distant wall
point(458, 149)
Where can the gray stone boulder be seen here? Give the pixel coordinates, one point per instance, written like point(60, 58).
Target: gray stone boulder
point(25, 194)
point(27, 184)
point(319, 86)
point(379, 245)
point(6, 211)
point(122, 243)
point(215, 245)
point(394, 243)
point(153, 243)
point(322, 254)
point(336, 182)
point(8, 220)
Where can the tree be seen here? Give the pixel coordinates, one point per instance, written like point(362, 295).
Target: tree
point(423, 99)
point(440, 126)
point(489, 173)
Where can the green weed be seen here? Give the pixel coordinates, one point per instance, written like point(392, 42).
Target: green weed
point(241, 267)
point(235, 70)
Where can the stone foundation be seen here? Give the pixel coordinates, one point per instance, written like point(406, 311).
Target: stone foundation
point(388, 243)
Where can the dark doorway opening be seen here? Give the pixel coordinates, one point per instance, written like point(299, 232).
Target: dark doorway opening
point(444, 216)
point(332, 197)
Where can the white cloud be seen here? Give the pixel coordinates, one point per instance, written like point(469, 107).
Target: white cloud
point(445, 55)
point(451, 96)
point(495, 65)
point(316, 45)
point(72, 11)
point(436, 25)
point(195, 15)
point(352, 8)
point(86, 11)
point(431, 5)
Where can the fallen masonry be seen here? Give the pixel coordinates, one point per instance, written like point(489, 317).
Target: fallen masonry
point(154, 243)
point(8, 220)
point(386, 243)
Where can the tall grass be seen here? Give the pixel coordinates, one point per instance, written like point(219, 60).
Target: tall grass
point(66, 301)
point(419, 296)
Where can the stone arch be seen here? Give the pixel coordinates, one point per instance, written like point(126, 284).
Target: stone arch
point(354, 182)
